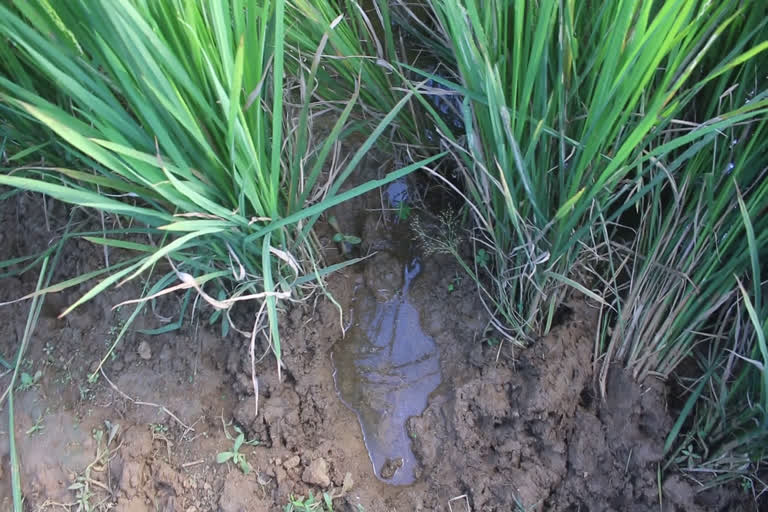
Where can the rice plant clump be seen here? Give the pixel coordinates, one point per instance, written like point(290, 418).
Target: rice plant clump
point(568, 111)
point(180, 124)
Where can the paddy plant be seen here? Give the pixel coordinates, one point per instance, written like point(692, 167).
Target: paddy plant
point(568, 109)
point(176, 120)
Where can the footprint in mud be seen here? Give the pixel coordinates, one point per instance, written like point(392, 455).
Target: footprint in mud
point(386, 367)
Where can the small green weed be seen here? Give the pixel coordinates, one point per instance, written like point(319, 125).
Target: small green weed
point(85, 486)
point(85, 393)
point(158, 428)
point(48, 351)
point(114, 331)
point(455, 282)
point(29, 381)
point(344, 240)
point(38, 427)
point(403, 211)
point(482, 258)
point(691, 456)
point(349, 239)
point(234, 455)
point(746, 484)
point(310, 504)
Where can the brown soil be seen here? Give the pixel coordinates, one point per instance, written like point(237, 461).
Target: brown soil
point(505, 427)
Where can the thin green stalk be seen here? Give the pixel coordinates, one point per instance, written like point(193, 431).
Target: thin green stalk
point(34, 312)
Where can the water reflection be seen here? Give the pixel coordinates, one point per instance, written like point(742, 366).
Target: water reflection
point(385, 369)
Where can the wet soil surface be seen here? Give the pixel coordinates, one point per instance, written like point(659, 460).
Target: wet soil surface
point(385, 368)
point(501, 427)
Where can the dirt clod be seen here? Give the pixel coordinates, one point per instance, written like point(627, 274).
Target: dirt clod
point(348, 482)
point(384, 276)
point(390, 467)
point(317, 473)
point(292, 462)
point(144, 351)
point(132, 478)
point(241, 493)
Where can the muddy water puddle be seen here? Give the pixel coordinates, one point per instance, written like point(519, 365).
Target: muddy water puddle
point(384, 369)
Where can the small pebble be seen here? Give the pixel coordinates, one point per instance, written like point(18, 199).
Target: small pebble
point(348, 482)
point(144, 351)
point(292, 462)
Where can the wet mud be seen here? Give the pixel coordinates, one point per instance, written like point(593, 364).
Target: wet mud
point(385, 368)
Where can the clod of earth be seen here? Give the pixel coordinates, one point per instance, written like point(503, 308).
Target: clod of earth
point(390, 467)
point(144, 351)
point(348, 482)
point(317, 473)
point(292, 462)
